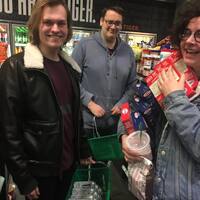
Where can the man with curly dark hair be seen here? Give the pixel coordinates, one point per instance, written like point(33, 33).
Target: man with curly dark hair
point(177, 162)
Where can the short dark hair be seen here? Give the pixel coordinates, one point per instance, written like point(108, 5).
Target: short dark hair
point(117, 9)
point(34, 20)
point(188, 10)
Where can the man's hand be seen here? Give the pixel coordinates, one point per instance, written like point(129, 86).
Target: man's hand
point(167, 82)
point(116, 110)
point(96, 109)
point(87, 161)
point(34, 194)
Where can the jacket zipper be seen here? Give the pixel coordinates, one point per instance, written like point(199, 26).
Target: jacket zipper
point(60, 113)
point(59, 110)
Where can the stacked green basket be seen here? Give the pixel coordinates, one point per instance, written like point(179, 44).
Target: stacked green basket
point(103, 148)
point(100, 173)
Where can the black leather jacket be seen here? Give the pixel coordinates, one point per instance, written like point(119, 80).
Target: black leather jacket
point(31, 120)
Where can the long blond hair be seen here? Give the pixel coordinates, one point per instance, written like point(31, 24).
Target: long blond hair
point(34, 20)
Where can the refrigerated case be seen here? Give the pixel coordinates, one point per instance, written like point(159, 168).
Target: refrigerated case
point(139, 42)
point(123, 36)
point(78, 34)
point(20, 37)
point(4, 41)
point(144, 40)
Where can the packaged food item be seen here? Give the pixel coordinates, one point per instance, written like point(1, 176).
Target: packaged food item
point(179, 67)
point(140, 104)
point(126, 118)
point(143, 91)
point(140, 179)
point(138, 121)
point(139, 173)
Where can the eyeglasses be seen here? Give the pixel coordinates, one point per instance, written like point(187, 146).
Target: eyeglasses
point(187, 33)
point(112, 22)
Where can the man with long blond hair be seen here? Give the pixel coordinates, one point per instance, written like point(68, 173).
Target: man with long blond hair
point(40, 107)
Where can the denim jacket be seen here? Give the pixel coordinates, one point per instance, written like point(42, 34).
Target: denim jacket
point(177, 169)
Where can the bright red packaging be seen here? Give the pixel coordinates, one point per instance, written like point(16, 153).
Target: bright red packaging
point(126, 118)
point(176, 62)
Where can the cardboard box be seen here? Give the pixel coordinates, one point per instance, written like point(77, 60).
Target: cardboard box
point(176, 62)
point(126, 118)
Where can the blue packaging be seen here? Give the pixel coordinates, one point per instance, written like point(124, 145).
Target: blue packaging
point(138, 121)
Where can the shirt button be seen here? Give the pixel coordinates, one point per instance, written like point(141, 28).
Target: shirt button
point(158, 179)
point(163, 153)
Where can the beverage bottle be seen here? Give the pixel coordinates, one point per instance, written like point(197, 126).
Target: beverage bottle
point(17, 35)
point(16, 50)
point(19, 38)
point(6, 37)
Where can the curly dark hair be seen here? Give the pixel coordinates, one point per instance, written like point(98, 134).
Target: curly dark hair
point(189, 9)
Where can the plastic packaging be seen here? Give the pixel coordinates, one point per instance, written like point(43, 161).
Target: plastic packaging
point(139, 143)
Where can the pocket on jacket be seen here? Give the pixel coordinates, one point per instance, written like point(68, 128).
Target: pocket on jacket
point(41, 140)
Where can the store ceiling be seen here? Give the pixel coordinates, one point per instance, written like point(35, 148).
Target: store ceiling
point(167, 1)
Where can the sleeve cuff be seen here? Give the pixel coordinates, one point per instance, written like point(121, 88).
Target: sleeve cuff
point(87, 99)
point(173, 98)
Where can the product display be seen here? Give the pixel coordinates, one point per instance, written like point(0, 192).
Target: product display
point(4, 42)
point(149, 58)
point(76, 37)
point(20, 33)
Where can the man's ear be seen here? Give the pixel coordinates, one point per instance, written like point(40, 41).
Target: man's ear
point(101, 21)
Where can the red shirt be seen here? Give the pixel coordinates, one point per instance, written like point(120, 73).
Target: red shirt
point(60, 78)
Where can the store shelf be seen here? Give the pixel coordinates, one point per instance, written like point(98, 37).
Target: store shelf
point(20, 44)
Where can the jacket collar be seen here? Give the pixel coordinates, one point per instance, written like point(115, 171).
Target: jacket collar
point(34, 59)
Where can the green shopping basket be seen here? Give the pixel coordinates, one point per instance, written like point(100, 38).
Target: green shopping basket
point(100, 173)
point(105, 147)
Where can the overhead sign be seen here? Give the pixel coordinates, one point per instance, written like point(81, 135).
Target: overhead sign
point(81, 10)
point(84, 13)
point(150, 16)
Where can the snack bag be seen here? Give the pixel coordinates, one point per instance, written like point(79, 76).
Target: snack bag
point(140, 172)
point(140, 179)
